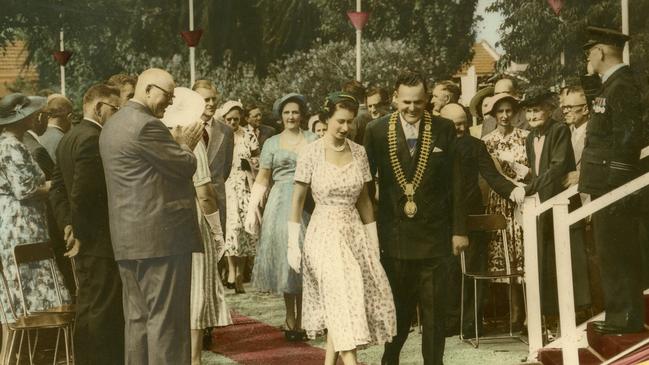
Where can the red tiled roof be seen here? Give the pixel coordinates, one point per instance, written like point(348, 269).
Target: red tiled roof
point(12, 59)
point(484, 60)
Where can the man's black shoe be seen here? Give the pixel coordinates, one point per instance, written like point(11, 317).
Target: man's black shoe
point(602, 328)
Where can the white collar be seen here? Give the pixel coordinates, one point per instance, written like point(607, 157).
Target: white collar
point(404, 123)
point(610, 71)
point(34, 135)
point(94, 121)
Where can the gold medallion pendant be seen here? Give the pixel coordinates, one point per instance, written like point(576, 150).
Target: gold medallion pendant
point(409, 187)
point(410, 208)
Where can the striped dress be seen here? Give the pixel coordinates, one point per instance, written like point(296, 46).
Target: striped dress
point(208, 307)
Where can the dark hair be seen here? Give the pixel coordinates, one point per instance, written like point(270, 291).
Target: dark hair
point(410, 78)
point(452, 88)
point(99, 91)
point(355, 89)
point(250, 108)
point(118, 80)
point(316, 123)
point(383, 93)
point(330, 108)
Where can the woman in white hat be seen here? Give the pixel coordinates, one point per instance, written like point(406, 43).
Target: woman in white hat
point(506, 144)
point(239, 244)
point(23, 194)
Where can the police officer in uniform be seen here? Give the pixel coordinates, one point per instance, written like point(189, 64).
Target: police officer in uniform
point(609, 160)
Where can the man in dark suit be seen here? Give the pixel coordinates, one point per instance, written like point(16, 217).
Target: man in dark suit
point(153, 220)
point(262, 132)
point(610, 159)
point(420, 208)
point(36, 149)
point(475, 161)
point(357, 90)
point(220, 143)
point(78, 196)
point(551, 158)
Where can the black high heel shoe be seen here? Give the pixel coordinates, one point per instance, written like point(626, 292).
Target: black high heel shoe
point(229, 285)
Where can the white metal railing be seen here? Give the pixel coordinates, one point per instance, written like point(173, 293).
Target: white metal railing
point(562, 219)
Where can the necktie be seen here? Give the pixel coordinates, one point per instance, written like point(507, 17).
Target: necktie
point(206, 136)
point(412, 145)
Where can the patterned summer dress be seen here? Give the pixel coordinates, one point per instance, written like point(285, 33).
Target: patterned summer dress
point(23, 220)
point(346, 290)
point(238, 242)
point(208, 306)
point(506, 148)
point(271, 272)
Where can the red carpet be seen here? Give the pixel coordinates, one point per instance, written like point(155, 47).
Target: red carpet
point(250, 342)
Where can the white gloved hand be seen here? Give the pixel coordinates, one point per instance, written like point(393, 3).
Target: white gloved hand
point(214, 221)
point(517, 195)
point(373, 237)
point(253, 215)
point(293, 254)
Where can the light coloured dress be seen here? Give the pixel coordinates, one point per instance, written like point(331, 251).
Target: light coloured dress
point(238, 242)
point(208, 306)
point(506, 147)
point(346, 289)
point(23, 220)
point(271, 272)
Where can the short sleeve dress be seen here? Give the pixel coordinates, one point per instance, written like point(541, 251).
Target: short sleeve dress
point(208, 306)
point(271, 272)
point(346, 290)
point(22, 221)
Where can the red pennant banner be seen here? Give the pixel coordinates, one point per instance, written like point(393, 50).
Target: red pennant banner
point(358, 19)
point(191, 37)
point(556, 6)
point(62, 57)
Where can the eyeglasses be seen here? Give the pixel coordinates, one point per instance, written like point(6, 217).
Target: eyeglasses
point(169, 95)
point(571, 108)
point(114, 107)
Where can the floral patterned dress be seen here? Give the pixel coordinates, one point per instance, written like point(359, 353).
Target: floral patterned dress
point(505, 149)
point(238, 242)
point(346, 290)
point(22, 221)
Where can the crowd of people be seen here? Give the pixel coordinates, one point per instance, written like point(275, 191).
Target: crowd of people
point(356, 214)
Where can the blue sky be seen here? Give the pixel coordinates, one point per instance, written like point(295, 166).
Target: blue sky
point(488, 28)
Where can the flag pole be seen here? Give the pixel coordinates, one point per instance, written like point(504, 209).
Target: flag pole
point(192, 50)
point(62, 67)
point(625, 29)
point(358, 45)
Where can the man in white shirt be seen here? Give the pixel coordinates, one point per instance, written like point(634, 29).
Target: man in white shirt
point(576, 114)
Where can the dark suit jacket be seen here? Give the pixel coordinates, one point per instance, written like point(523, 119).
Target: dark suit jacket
point(476, 161)
point(78, 193)
point(151, 197)
point(40, 155)
point(440, 211)
point(219, 157)
point(614, 135)
point(265, 132)
point(360, 124)
point(557, 159)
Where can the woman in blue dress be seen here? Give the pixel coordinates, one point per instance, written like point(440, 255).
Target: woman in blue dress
point(23, 220)
point(271, 272)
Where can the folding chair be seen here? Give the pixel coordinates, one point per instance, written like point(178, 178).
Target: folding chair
point(35, 252)
point(488, 223)
point(26, 323)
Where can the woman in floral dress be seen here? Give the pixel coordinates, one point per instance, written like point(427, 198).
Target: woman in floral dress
point(506, 144)
point(346, 290)
point(271, 272)
point(239, 244)
point(23, 193)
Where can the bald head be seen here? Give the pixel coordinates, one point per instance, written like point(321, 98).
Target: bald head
point(155, 89)
point(457, 114)
point(505, 86)
point(59, 111)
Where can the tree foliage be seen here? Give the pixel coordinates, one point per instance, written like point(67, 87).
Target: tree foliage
point(533, 34)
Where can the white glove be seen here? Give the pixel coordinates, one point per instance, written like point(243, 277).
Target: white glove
point(253, 215)
point(214, 221)
point(517, 195)
point(373, 238)
point(293, 254)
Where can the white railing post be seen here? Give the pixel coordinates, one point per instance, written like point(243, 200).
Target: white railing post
point(565, 289)
point(532, 287)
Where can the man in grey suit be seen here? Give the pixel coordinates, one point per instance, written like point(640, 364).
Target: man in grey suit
point(153, 221)
point(219, 139)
